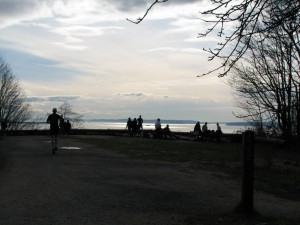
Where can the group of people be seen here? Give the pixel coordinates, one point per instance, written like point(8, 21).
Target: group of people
point(134, 126)
point(203, 133)
point(65, 126)
point(163, 132)
point(206, 134)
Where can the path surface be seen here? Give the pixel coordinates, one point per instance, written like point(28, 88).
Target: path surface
point(95, 186)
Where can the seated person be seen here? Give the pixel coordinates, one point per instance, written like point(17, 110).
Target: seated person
point(167, 133)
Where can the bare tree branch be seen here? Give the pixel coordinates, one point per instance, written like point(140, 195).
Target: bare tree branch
point(238, 22)
point(15, 112)
point(140, 19)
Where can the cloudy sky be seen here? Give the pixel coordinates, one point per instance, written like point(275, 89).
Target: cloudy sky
point(87, 53)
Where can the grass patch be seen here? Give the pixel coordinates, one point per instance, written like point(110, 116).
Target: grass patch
point(168, 150)
point(277, 170)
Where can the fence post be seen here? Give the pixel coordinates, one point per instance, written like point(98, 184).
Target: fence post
point(247, 171)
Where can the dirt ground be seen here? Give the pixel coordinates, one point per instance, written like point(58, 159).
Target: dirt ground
point(85, 185)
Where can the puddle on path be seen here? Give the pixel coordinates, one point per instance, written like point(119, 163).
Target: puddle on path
point(70, 148)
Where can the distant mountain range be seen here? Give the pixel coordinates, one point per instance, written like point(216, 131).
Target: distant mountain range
point(169, 122)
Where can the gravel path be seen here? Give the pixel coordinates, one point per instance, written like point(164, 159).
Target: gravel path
point(94, 186)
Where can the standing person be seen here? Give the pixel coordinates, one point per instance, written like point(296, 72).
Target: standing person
point(129, 126)
point(62, 124)
point(197, 130)
point(157, 124)
point(134, 126)
point(68, 126)
point(140, 123)
point(205, 131)
point(219, 130)
point(54, 119)
point(218, 133)
point(158, 130)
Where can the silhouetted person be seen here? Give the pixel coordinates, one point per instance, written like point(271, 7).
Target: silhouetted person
point(158, 131)
point(218, 133)
point(68, 126)
point(157, 124)
point(167, 133)
point(62, 124)
point(205, 131)
point(129, 125)
point(140, 122)
point(54, 119)
point(134, 126)
point(197, 130)
point(219, 130)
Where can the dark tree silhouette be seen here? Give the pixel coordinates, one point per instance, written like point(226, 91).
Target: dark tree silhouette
point(66, 109)
point(15, 112)
point(267, 83)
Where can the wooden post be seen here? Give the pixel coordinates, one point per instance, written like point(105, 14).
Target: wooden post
point(247, 171)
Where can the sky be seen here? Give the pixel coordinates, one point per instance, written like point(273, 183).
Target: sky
point(86, 53)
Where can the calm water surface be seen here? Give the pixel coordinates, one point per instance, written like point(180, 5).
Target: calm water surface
point(173, 127)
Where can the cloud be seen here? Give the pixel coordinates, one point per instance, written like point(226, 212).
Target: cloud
point(63, 98)
point(52, 98)
point(13, 7)
point(85, 52)
point(75, 34)
point(36, 99)
point(137, 94)
point(71, 47)
point(15, 11)
point(64, 11)
point(83, 31)
point(131, 5)
point(77, 11)
point(171, 49)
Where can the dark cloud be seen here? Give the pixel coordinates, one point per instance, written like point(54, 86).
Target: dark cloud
point(62, 98)
point(18, 10)
point(182, 2)
point(53, 99)
point(139, 94)
point(35, 99)
point(131, 5)
point(15, 7)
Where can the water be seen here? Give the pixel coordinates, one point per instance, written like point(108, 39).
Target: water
point(173, 126)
